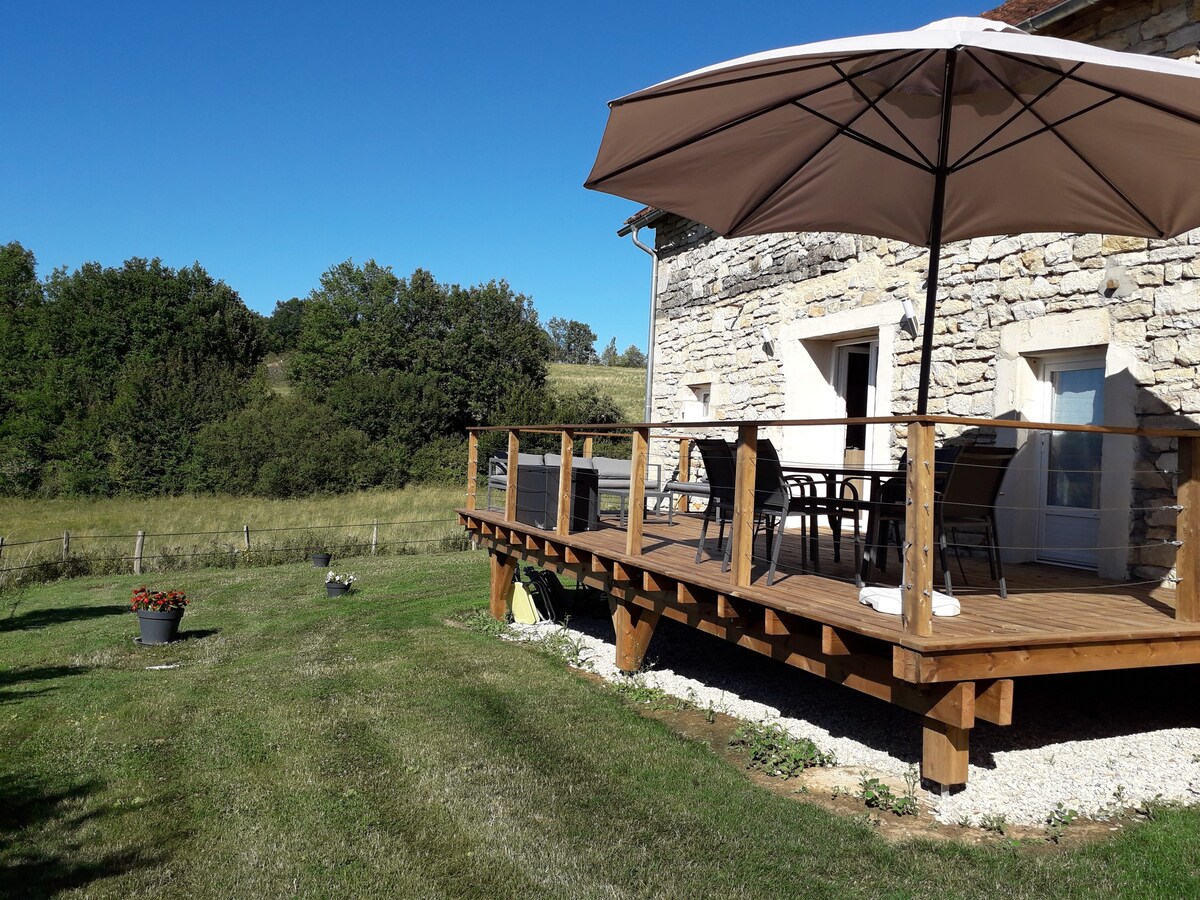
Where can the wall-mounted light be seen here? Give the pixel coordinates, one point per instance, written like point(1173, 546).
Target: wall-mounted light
point(908, 322)
point(768, 344)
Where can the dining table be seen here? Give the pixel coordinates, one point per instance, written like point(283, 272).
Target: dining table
point(833, 505)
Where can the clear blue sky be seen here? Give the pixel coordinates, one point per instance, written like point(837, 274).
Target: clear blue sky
point(268, 141)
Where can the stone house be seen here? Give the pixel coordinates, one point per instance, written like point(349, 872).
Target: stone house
point(1034, 327)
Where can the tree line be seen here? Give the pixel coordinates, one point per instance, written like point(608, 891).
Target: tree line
point(142, 379)
point(575, 342)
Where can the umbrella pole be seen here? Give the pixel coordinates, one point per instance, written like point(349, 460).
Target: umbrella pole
point(935, 232)
point(935, 259)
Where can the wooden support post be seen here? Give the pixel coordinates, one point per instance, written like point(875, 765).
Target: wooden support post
point(637, 491)
point(510, 488)
point(685, 469)
point(138, 546)
point(634, 626)
point(917, 590)
point(66, 545)
point(566, 450)
point(742, 539)
point(246, 535)
point(1187, 530)
point(587, 447)
point(501, 586)
point(472, 468)
point(944, 752)
point(375, 536)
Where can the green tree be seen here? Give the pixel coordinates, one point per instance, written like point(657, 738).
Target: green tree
point(283, 327)
point(632, 358)
point(574, 341)
point(610, 357)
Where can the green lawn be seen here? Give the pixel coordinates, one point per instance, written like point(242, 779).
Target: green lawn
point(626, 386)
point(365, 747)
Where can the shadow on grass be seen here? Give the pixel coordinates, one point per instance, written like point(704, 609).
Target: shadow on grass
point(12, 677)
point(197, 634)
point(40, 852)
point(43, 618)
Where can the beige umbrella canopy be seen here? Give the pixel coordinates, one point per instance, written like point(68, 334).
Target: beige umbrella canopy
point(963, 128)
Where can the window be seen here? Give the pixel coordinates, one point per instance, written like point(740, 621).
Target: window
point(696, 408)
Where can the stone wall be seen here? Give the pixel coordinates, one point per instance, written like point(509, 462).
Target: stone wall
point(716, 296)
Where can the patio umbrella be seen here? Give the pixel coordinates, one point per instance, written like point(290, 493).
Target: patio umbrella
point(960, 129)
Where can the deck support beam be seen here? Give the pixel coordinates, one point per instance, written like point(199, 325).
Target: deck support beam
point(503, 567)
point(634, 626)
point(472, 468)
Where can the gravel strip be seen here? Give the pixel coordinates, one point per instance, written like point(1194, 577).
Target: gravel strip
point(1094, 743)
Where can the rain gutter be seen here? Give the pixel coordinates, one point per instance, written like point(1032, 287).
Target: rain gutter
point(631, 228)
point(1054, 14)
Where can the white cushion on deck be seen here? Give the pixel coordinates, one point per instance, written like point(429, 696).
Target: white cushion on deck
point(888, 600)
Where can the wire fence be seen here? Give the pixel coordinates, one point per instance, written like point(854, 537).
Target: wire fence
point(69, 555)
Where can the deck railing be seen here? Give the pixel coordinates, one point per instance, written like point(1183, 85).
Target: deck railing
point(919, 538)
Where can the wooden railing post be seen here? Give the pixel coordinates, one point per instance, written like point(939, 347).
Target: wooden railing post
point(742, 539)
point(472, 468)
point(685, 468)
point(510, 487)
point(917, 589)
point(567, 450)
point(637, 491)
point(587, 447)
point(1187, 528)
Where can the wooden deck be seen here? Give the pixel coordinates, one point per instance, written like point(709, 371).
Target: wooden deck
point(950, 671)
point(1054, 620)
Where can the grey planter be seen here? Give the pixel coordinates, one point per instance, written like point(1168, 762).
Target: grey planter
point(333, 589)
point(321, 560)
point(159, 627)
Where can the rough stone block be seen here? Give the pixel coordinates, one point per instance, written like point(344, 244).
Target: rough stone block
point(1117, 243)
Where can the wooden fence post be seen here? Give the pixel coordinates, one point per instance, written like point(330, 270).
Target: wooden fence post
point(1, 546)
point(637, 491)
point(917, 589)
point(138, 546)
point(375, 534)
point(510, 488)
point(1187, 528)
point(472, 468)
point(566, 450)
point(66, 545)
point(246, 535)
point(742, 539)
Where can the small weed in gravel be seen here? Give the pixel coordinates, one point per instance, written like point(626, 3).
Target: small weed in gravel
point(776, 752)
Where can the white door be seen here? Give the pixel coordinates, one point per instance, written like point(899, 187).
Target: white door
point(1070, 463)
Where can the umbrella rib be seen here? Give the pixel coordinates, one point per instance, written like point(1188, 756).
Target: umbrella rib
point(959, 166)
point(839, 129)
point(862, 138)
point(1079, 79)
point(719, 129)
point(1003, 125)
point(808, 67)
point(1053, 129)
point(873, 104)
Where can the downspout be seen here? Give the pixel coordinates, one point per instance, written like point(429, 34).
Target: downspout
point(649, 406)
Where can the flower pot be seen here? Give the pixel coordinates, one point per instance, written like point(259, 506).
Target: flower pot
point(159, 627)
point(334, 589)
point(321, 560)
